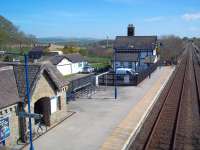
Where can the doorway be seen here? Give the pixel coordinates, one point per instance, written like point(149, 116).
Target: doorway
point(43, 106)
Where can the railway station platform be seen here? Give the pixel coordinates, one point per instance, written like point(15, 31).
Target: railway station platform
point(101, 122)
point(127, 129)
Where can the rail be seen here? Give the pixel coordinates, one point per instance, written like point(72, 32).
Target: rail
point(175, 115)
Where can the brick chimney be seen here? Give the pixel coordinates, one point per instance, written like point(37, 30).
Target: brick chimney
point(131, 30)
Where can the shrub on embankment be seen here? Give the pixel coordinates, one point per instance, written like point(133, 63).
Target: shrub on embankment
point(171, 47)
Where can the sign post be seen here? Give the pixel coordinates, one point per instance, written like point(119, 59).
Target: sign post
point(27, 89)
point(30, 115)
point(29, 100)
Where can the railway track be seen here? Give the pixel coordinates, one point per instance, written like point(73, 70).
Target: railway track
point(174, 122)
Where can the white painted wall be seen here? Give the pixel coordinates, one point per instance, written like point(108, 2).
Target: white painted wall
point(125, 65)
point(77, 67)
point(142, 64)
point(154, 52)
point(156, 59)
point(65, 67)
point(54, 104)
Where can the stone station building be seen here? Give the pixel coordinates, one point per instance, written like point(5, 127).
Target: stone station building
point(48, 97)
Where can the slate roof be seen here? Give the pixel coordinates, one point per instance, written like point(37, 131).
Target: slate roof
point(55, 75)
point(35, 71)
point(36, 52)
point(56, 59)
point(8, 87)
point(74, 58)
point(126, 56)
point(135, 42)
point(16, 79)
point(19, 71)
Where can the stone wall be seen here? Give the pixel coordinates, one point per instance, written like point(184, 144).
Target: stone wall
point(45, 89)
point(59, 115)
point(42, 89)
point(11, 111)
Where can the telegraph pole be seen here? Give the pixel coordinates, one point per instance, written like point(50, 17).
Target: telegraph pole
point(107, 38)
point(115, 79)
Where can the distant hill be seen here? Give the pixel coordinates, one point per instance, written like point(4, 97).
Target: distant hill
point(105, 42)
point(64, 41)
point(10, 34)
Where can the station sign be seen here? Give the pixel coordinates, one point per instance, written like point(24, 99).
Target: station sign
point(4, 128)
point(30, 115)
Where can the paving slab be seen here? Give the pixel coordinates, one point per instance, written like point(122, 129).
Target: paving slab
point(97, 118)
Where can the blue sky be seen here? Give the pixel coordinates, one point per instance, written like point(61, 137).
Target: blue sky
point(101, 18)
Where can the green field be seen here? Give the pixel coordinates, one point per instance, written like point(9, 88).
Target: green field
point(99, 62)
point(21, 51)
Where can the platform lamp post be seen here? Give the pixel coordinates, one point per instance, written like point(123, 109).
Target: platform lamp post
point(115, 78)
point(27, 91)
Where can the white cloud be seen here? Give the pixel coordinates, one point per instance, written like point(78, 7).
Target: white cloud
point(191, 16)
point(154, 19)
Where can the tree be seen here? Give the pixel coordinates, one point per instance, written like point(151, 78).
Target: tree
point(197, 41)
point(70, 49)
point(172, 47)
point(11, 35)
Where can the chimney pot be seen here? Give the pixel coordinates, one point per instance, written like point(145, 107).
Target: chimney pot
point(131, 30)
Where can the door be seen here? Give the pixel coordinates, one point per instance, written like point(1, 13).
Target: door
point(46, 112)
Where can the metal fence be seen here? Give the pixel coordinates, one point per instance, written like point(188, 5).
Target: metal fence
point(101, 70)
point(80, 87)
point(126, 80)
point(109, 79)
point(147, 72)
